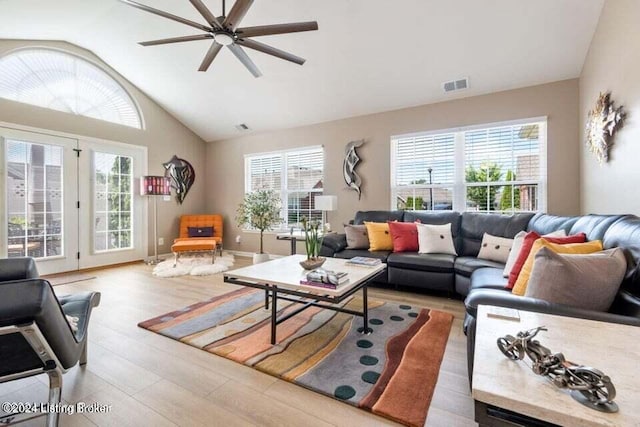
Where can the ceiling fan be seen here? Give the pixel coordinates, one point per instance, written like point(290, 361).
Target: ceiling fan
point(225, 30)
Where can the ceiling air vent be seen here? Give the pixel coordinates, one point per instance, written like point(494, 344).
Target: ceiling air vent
point(454, 85)
point(242, 127)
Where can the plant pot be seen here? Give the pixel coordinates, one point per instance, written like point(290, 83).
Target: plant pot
point(312, 263)
point(259, 258)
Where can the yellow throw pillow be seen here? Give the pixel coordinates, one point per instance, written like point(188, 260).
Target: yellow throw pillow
point(571, 248)
point(379, 236)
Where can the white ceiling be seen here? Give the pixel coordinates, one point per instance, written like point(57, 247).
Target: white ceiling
point(368, 56)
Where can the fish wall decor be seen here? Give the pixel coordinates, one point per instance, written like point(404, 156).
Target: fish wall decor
point(351, 160)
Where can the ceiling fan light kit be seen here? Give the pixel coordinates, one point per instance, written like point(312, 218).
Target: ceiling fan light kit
point(225, 30)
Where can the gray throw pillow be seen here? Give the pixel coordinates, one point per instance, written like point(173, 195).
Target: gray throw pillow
point(357, 237)
point(588, 281)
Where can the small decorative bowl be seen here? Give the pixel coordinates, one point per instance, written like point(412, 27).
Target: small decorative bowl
point(312, 263)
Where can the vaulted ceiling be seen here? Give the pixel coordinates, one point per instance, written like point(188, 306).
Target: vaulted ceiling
point(368, 55)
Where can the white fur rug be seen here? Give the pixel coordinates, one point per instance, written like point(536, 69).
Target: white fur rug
point(195, 265)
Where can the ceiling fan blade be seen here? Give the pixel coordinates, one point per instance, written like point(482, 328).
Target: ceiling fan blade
point(267, 30)
point(238, 11)
point(210, 56)
point(206, 13)
point(270, 50)
point(166, 15)
point(177, 40)
point(244, 58)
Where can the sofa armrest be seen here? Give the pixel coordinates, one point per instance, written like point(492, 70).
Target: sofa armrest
point(332, 243)
point(502, 298)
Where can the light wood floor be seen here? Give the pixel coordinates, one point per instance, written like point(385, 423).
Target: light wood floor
point(151, 380)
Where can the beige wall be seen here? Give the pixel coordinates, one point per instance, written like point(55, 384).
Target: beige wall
point(558, 101)
point(163, 135)
point(613, 64)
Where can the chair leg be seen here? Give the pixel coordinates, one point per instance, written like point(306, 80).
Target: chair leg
point(55, 395)
point(83, 356)
point(176, 255)
point(213, 256)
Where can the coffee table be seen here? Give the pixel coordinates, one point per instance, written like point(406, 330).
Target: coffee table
point(280, 279)
point(509, 393)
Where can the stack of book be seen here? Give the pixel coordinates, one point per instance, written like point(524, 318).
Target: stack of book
point(364, 261)
point(325, 278)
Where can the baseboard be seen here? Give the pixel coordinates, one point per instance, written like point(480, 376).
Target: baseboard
point(245, 254)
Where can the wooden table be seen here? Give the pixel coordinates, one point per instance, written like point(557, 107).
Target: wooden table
point(502, 386)
point(280, 279)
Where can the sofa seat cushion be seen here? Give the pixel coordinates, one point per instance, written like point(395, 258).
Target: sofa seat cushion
point(466, 265)
point(488, 278)
point(441, 263)
point(350, 253)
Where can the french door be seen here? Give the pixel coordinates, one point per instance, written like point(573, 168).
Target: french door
point(70, 203)
point(41, 191)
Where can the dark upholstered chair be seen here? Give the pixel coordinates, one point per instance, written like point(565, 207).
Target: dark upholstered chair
point(35, 336)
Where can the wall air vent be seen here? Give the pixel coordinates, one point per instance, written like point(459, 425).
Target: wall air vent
point(455, 85)
point(242, 127)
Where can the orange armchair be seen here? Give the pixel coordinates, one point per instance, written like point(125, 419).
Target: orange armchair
point(184, 243)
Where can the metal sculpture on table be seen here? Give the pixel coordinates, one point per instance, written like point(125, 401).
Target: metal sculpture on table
point(182, 176)
point(602, 123)
point(588, 386)
point(351, 159)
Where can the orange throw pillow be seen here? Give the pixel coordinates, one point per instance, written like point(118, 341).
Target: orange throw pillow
point(572, 248)
point(525, 250)
point(379, 236)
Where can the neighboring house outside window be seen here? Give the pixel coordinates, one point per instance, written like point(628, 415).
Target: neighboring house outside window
point(297, 175)
point(497, 168)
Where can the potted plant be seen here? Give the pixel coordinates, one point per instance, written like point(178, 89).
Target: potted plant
point(313, 243)
point(259, 210)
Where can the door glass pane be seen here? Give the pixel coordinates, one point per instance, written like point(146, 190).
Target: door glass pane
point(112, 202)
point(34, 199)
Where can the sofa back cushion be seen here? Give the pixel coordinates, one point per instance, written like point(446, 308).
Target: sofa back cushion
point(543, 223)
point(594, 226)
point(377, 216)
point(474, 225)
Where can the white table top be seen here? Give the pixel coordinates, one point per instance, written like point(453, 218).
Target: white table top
point(286, 272)
point(611, 348)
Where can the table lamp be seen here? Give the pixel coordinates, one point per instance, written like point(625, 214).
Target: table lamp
point(326, 204)
point(155, 186)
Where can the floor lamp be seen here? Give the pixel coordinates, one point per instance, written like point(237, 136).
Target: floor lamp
point(326, 204)
point(155, 186)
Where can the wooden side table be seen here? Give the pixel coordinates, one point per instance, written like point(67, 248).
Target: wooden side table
point(509, 393)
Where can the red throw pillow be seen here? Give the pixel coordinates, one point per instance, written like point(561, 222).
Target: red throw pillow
point(404, 236)
point(527, 244)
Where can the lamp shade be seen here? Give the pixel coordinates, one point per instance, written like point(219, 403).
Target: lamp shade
point(155, 186)
point(326, 203)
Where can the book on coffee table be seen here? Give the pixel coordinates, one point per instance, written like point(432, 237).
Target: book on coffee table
point(364, 261)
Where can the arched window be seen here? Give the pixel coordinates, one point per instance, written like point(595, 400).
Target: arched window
point(61, 81)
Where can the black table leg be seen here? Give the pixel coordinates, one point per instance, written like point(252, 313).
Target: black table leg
point(266, 299)
point(294, 249)
point(274, 312)
point(365, 311)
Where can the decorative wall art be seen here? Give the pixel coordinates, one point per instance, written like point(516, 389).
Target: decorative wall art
point(351, 159)
point(602, 123)
point(182, 176)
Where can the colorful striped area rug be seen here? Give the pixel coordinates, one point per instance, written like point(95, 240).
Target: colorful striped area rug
point(391, 372)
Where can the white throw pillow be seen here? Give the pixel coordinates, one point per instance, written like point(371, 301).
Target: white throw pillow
point(494, 248)
point(517, 245)
point(435, 239)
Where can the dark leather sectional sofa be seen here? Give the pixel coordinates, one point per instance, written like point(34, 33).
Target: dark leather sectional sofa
point(480, 281)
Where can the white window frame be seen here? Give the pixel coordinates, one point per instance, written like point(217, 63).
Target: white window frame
point(284, 176)
point(460, 185)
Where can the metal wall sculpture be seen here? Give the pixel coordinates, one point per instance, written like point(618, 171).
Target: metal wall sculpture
point(182, 176)
point(602, 123)
point(351, 159)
